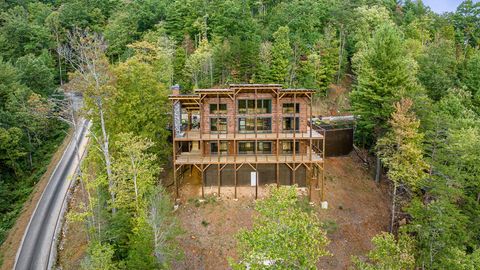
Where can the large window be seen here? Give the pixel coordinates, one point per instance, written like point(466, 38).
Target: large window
point(288, 123)
point(246, 147)
point(264, 147)
point(264, 124)
point(218, 108)
point(218, 125)
point(264, 106)
point(289, 108)
point(287, 147)
point(223, 147)
point(247, 106)
point(247, 124)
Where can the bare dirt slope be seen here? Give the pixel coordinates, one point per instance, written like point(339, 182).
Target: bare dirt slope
point(9, 248)
point(358, 210)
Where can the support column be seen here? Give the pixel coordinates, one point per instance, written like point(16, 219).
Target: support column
point(235, 178)
point(277, 172)
point(202, 180)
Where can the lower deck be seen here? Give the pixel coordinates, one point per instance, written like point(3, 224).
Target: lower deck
point(195, 157)
point(253, 175)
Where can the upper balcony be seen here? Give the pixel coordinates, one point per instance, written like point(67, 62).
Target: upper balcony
point(194, 135)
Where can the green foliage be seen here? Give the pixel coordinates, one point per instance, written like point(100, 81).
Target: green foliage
point(135, 171)
point(141, 100)
point(471, 76)
point(141, 246)
point(199, 65)
point(283, 235)
point(401, 148)
point(467, 24)
point(165, 228)
point(318, 70)
point(385, 73)
point(37, 72)
point(389, 254)
point(437, 68)
point(99, 257)
point(440, 233)
point(28, 138)
point(281, 57)
point(22, 31)
point(156, 43)
point(368, 20)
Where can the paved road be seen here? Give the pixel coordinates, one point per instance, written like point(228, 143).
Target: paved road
point(38, 247)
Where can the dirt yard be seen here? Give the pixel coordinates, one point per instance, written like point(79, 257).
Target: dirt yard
point(358, 210)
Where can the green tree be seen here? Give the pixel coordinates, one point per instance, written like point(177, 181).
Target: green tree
point(322, 64)
point(401, 151)
point(21, 33)
point(165, 228)
point(471, 77)
point(141, 246)
point(385, 73)
point(37, 72)
point(134, 171)
point(139, 85)
point(282, 55)
point(368, 20)
point(389, 254)
point(284, 235)
point(199, 65)
point(467, 23)
point(440, 231)
point(437, 67)
point(99, 257)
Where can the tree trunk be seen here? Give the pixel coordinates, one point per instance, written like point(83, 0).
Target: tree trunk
point(340, 54)
point(394, 197)
point(106, 154)
point(378, 170)
point(134, 180)
point(30, 159)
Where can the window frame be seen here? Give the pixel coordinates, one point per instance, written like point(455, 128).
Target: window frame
point(251, 152)
point(216, 126)
point(290, 151)
point(297, 124)
point(218, 111)
point(290, 109)
point(222, 151)
point(247, 106)
point(263, 151)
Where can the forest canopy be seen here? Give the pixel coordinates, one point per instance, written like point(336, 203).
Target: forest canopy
point(413, 77)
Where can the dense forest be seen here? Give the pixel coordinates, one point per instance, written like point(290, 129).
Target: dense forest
point(415, 92)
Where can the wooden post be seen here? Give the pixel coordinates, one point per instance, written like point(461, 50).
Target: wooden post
point(277, 173)
point(202, 180)
point(174, 157)
point(218, 144)
point(235, 141)
point(323, 182)
point(294, 126)
point(256, 181)
point(279, 122)
point(235, 178)
point(293, 174)
point(255, 125)
point(308, 180)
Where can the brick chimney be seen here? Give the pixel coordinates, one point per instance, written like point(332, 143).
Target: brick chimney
point(175, 89)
